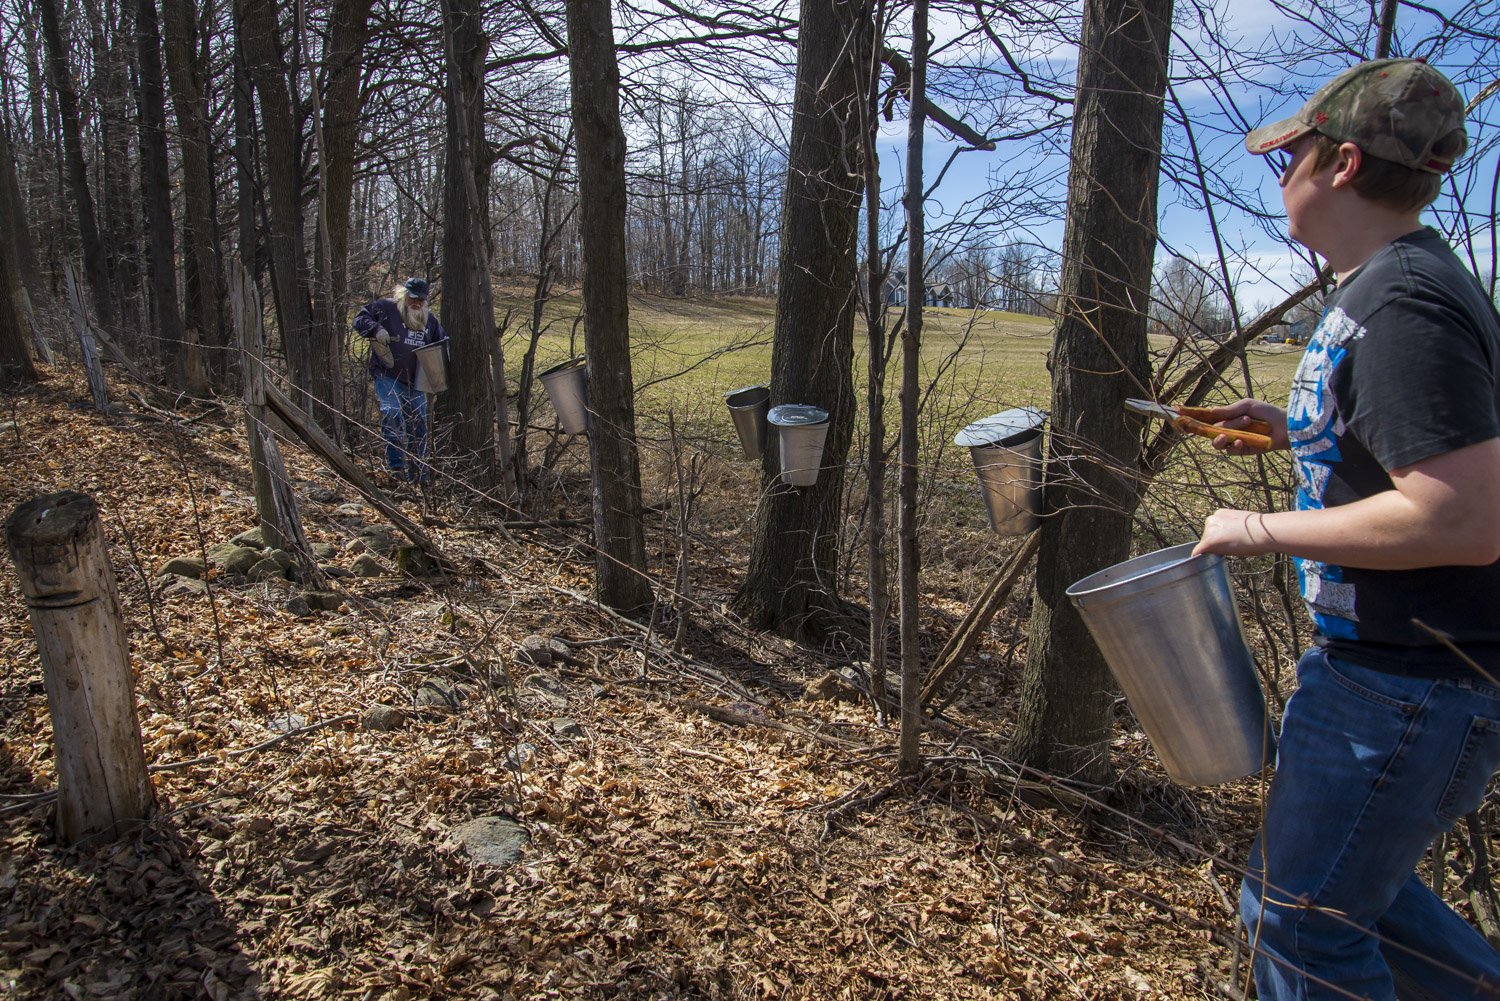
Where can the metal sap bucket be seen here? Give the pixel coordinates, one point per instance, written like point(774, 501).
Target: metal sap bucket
point(567, 388)
point(1007, 453)
point(432, 368)
point(801, 430)
point(1166, 624)
point(748, 408)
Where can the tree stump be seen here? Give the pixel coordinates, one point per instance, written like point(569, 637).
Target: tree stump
point(58, 548)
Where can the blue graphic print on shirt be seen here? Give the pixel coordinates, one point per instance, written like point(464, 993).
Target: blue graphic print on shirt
point(1314, 427)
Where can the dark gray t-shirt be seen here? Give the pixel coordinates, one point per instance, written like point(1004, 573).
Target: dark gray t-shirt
point(1404, 366)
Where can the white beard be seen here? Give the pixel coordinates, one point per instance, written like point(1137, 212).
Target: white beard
point(415, 319)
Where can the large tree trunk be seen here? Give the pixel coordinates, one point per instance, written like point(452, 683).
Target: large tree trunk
point(619, 533)
point(1099, 359)
point(246, 191)
point(468, 303)
point(15, 360)
point(110, 24)
point(791, 583)
point(203, 284)
point(260, 36)
point(61, 78)
point(349, 24)
point(156, 188)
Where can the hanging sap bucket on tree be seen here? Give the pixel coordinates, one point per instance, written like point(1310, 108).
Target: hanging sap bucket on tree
point(432, 368)
point(567, 388)
point(1167, 626)
point(1007, 453)
point(748, 408)
point(801, 431)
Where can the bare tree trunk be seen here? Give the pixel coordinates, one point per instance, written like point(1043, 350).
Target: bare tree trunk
point(61, 78)
point(909, 756)
point(468, 300)
point(156, 187)
point(876, 270)
point(58, 548)
point(203, 284)
point(13, 219)
point(338, 132)
point(619, 531)
point(15, 360)
point(244, 166)
point(1099, 359)
point(260, 36)
point(790, 586)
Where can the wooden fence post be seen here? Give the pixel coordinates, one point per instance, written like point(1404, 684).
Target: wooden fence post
point(280, 521)
point(58, 549)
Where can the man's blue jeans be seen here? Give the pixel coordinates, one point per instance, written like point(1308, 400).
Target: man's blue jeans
point(1371, 767)
point(403, 425)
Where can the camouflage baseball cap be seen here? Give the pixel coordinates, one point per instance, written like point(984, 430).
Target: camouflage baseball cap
point(1394, 109)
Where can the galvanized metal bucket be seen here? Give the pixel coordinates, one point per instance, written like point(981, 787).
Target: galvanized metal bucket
point(801, 430)
point(432, 368)
point(1007, 453)
point(1166, 624)
point(567, 387)
point(749, 407)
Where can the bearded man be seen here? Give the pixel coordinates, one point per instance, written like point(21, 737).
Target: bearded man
point(395, 328)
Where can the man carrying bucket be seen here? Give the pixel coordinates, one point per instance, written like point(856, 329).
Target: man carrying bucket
point(1392, 734)
point(396, 327)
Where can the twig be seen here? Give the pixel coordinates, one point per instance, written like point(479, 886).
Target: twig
point(135, 561)
point(213, 604)
point(262, 746)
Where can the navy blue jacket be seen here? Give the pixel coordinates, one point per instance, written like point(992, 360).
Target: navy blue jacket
point(404, 343)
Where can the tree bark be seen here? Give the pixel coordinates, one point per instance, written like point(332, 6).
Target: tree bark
point(349, 29)
point(161, 260)
point(791, 584)
point(15, 359)
point(468, 301)
point(260, 36)
point(61, 77)
point(203, 283)
point(619, 532)
point(909, 759)
point(1099, 359)
point(58, 548)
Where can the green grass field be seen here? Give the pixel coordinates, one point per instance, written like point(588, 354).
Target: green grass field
point(689, 352)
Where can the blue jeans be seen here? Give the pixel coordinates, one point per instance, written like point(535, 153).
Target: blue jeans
point(403, 425)
point(1371, 767)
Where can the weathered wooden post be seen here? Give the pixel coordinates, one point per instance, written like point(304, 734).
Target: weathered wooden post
point(58, 549)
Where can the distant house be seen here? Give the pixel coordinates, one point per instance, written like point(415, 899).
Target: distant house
point(936, 294)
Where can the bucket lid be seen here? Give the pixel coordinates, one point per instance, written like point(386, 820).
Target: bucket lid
point(561, 367)
point(797, 415)
point(1008, 427)
point(758, 393)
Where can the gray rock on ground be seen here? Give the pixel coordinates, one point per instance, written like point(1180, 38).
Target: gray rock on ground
point(535, 651)
point(266, 569)
point(383, 718)
point(184, 566)
point(254, 538)
point(232, 558)
point(368, 566)
point(171, 585)
point(496, 841)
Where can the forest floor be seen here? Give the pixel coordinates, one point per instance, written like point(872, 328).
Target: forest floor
point(724, 821)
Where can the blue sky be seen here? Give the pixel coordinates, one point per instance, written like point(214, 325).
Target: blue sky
point(1265, 86)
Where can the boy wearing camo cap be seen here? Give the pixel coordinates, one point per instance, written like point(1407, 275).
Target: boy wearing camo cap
point(1394, 425)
